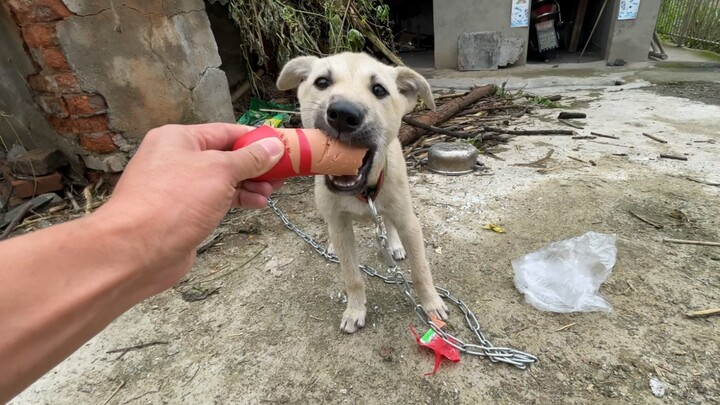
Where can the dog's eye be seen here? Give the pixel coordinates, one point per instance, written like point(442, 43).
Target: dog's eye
point(322, 83)
point(379, 91)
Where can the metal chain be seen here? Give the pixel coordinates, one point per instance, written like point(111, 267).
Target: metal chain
point(507, 355)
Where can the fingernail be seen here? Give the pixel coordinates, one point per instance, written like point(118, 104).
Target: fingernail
point(273, 146)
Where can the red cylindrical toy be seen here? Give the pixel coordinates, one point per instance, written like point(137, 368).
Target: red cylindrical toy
point(308, 152)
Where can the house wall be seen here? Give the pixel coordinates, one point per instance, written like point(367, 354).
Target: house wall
point(630, 39)
point(103, 72)
point(22, 121)
point(454, 17)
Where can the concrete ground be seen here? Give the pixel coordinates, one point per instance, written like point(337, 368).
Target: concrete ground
point(270, 332)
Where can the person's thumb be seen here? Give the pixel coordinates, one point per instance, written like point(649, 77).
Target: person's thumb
point(257, 158)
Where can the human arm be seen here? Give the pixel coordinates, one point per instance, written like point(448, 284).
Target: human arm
point(62, 285)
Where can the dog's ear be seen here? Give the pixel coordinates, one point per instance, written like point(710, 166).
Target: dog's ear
point(294, 72)
point(411, 84)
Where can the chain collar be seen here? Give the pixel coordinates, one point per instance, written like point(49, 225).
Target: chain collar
point(372, 192)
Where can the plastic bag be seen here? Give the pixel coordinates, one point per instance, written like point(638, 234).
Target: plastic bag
point(565, 276)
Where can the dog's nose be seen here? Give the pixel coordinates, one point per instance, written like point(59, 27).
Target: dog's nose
point(344, 116)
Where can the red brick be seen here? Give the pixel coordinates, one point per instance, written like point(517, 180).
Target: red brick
point(53, 59)
point(40, 35)
point(38, 162)
point(83, 125)
point(85, 104)
point(53, 105)
point(42, 83)
point(66, 83)
point(38, 185)
point(98, 143)
point(32, 11)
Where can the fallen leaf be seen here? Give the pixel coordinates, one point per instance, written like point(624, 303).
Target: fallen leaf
point(494, 228)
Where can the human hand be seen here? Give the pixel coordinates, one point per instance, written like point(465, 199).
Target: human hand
point(180, 184)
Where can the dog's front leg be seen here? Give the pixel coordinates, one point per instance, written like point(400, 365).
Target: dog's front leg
point(342, 238)
point(411, 235)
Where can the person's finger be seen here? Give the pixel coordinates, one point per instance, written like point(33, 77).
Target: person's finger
point(277, 184)
point(255, 159)
point(246, 199)
point(261, 188)
point(217, 136)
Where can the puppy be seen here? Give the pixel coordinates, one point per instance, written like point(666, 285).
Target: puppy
point(360, 101)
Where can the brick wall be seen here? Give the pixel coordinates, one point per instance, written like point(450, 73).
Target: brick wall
point(105, 73)
point(73, 113)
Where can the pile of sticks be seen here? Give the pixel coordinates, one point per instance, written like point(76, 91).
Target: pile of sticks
point(479, 115)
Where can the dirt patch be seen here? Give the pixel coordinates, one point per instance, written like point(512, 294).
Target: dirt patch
point(270, 333)
point(705, 92)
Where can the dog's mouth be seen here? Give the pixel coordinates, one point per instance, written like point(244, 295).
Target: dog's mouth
point(352, 184)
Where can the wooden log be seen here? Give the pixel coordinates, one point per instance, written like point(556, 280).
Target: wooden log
point(408, 134)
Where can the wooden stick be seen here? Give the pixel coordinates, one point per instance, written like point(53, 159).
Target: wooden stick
point(571, 124)
point(16, 221)
point(87, 193)
point(602, 9)
point(451, 95)
point(122, 384)
point(676, 157)
point(657, 226)
point(71, 197)
point(691, 242)
point(604, 136)
point(530, 132)
point(703, 182)
point(654, 138)
point(566, 327)
point(436, 130)
point(366, 30)
point(408, 134)
point(489, 108)
point(702, 313)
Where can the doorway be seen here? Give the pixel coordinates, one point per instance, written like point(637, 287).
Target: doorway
point(582, 26)
point(413, 31)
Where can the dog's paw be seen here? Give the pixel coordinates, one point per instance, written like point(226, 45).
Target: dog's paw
point(434, 305)
point(395, 246)
point(398, 251)
point(331, 249)
point(353, 319)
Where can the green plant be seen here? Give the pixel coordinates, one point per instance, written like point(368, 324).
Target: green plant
point(275, 31)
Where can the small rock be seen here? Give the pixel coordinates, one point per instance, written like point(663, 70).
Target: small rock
point(15, 151)
point(343, 391)
point(657, 387)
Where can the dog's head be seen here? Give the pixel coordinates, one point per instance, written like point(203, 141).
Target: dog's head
point(356, 99)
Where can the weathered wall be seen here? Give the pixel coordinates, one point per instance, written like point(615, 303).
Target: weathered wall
point(453, 17)
point(630, 39)
point(107, 71)
point(21, 122)
point(153, 64)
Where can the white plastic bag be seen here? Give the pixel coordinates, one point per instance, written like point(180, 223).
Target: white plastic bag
point(565, 276)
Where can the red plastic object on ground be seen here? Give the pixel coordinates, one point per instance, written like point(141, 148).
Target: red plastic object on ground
point(308, 152)
point(440, 348)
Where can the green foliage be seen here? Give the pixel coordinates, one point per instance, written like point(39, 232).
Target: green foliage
point(275, 31)
point(696, 20)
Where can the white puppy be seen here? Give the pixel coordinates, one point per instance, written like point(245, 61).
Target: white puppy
point(360, 101)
